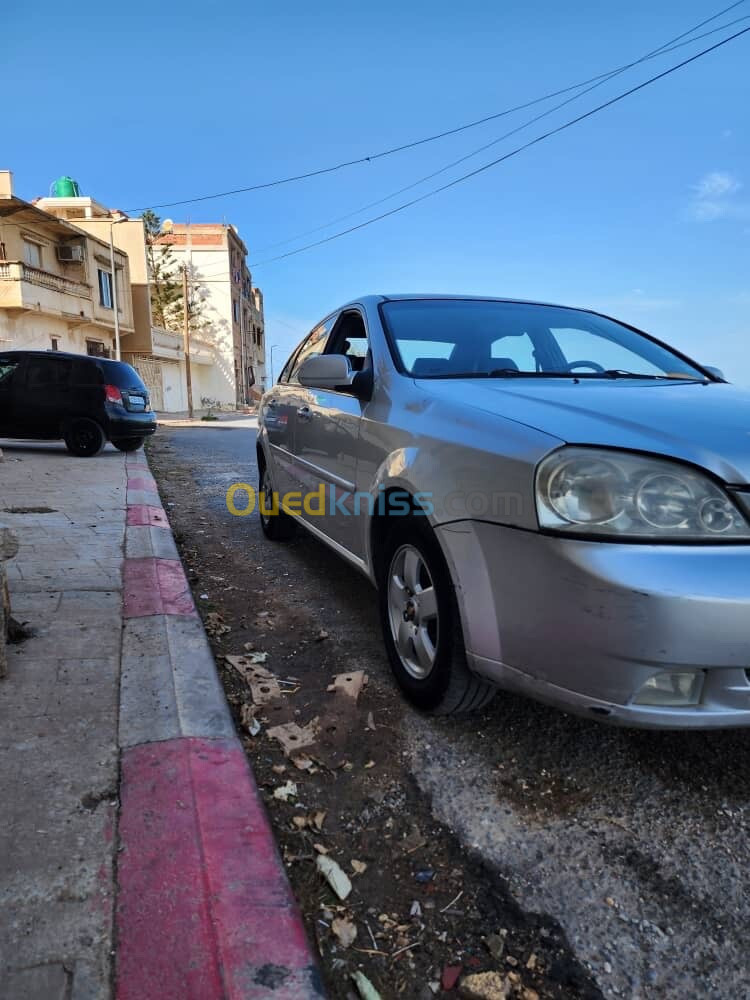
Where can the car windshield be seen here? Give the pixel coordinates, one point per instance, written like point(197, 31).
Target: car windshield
point(473, 338)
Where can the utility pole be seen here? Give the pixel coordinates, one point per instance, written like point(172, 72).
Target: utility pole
point(186, 340)
point(115, 303)
point(243, 372)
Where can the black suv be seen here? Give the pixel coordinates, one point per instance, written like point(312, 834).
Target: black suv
point(85, 401)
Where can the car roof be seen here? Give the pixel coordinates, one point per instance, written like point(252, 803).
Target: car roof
point(61, 354)
point(45, 354)
point(375, 299)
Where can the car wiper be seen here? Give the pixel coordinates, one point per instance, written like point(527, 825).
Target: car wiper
point(623, 373)
point(515, 373)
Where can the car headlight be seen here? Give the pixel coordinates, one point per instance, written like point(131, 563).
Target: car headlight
point(612, 493)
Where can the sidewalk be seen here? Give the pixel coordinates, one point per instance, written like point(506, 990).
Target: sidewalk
point(222, 419)
point(136, 859)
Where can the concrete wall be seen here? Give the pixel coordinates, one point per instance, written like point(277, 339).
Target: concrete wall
point(34, 331)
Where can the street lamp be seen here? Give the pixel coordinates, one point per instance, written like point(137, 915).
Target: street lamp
point(115, 304)
point(273, 346)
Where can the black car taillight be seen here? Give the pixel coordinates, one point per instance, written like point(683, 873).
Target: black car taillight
point(112, 394)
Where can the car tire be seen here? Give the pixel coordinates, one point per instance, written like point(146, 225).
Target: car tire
point(127, 444)
point(84, 438)
point(423, 639)
point(279, 527)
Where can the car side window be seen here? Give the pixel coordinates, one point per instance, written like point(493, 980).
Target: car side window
point(286, 370)
point(315, 344)
point(48, 371)
point(349, 338)
point(86, 372)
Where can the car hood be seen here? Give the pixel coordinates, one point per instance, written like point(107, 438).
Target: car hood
point(708, 425)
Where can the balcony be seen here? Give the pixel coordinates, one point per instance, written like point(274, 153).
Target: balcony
point(166, 344)
point(15, 270)
point(24, 288)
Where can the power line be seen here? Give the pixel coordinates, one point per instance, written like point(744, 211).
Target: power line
point(419, 142)
point(663, 50)
point(506, 156)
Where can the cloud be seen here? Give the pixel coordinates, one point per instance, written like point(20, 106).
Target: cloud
point(715, 197)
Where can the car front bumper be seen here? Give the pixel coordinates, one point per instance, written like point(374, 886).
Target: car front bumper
point(583, 625)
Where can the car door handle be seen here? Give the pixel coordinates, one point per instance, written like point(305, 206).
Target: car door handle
point(304, 413)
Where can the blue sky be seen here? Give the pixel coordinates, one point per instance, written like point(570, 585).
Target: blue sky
point(642, 211)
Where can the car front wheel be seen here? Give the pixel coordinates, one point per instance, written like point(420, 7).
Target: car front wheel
point(84, 438)
point(421, 626)
point(127, 444)
point(276, 524)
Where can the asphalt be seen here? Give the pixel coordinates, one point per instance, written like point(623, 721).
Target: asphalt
point(635, 842)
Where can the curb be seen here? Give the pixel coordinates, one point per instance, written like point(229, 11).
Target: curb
point(204, 907)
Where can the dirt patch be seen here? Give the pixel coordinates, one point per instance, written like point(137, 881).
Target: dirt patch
point(420, 905)
point(29, 510)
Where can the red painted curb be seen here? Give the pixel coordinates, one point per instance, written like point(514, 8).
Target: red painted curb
point(204, 908)
point(144, 515)
point(147, 483)
point(155, 587)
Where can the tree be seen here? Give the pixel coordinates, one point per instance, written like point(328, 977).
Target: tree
point(165, 282)
point(164, 276)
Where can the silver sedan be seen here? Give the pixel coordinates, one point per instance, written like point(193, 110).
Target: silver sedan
point(547, 500)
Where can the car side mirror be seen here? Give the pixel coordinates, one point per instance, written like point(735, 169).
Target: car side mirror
point(716, 372)
point(333, 371)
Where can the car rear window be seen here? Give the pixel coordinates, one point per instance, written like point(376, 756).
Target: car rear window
point(122, 375)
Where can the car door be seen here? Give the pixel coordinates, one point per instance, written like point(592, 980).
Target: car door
point(279, 410)
point(44, 400)
point(11, 374)
point(325, 443)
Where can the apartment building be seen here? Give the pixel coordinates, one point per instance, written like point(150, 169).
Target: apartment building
point(229, 324)
point(157, 354)
point(56, 292)
point(57, 286)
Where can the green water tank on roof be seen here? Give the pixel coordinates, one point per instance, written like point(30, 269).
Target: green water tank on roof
point(65, 187)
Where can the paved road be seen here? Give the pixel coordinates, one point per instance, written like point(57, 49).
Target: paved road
point(637, 843)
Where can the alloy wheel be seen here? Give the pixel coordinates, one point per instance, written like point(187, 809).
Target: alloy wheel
point(413, 611)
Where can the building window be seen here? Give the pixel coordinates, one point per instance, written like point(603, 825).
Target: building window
point(55, 343)
point(32, 254)
point(236, 310)
point(96, 348)
point(105, 288)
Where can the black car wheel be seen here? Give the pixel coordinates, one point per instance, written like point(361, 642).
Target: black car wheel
point(421, 624)
point(84, 438)
point(276, 524)
point(127, 444)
